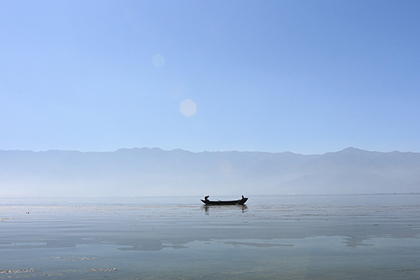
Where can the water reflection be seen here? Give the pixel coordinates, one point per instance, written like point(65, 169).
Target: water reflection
point(268, 240)
point(218, 208)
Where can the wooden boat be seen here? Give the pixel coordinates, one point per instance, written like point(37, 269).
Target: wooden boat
point(241, 201)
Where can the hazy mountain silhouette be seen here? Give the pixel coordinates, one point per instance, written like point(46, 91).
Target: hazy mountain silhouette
point(139, 172)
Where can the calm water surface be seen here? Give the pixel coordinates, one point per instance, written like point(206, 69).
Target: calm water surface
point(277, 237)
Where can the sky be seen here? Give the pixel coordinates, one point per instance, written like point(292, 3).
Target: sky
point(303, 76)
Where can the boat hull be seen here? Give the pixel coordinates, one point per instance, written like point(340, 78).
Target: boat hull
point(226, 202)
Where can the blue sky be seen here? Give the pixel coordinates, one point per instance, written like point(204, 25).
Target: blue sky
point(302, 76)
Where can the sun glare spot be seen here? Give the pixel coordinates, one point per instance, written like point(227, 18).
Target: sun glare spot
point(158, 60)
point(188, 107)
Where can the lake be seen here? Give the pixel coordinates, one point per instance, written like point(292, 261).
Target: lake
point(273, 237)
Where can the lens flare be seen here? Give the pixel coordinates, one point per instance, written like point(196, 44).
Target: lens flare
point(225, 167)
point(188, 108)
point(158, 60)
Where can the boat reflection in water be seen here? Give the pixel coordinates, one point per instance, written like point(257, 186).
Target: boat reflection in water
point(221, 207)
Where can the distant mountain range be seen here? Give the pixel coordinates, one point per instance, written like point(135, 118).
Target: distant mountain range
point(144, 171)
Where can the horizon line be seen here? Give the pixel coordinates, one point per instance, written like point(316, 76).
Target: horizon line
point(205, 151)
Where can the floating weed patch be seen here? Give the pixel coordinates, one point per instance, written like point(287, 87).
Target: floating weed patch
point(75, 258)
point(11, 271)
point(103, 269)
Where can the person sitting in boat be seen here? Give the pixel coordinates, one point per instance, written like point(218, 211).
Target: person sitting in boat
point(206, 198)
point(243, 197)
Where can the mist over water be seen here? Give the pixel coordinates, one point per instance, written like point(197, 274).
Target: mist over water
point(287, 237)
point(148, 172)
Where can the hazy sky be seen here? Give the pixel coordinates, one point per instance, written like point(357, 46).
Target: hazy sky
point(301, 76)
